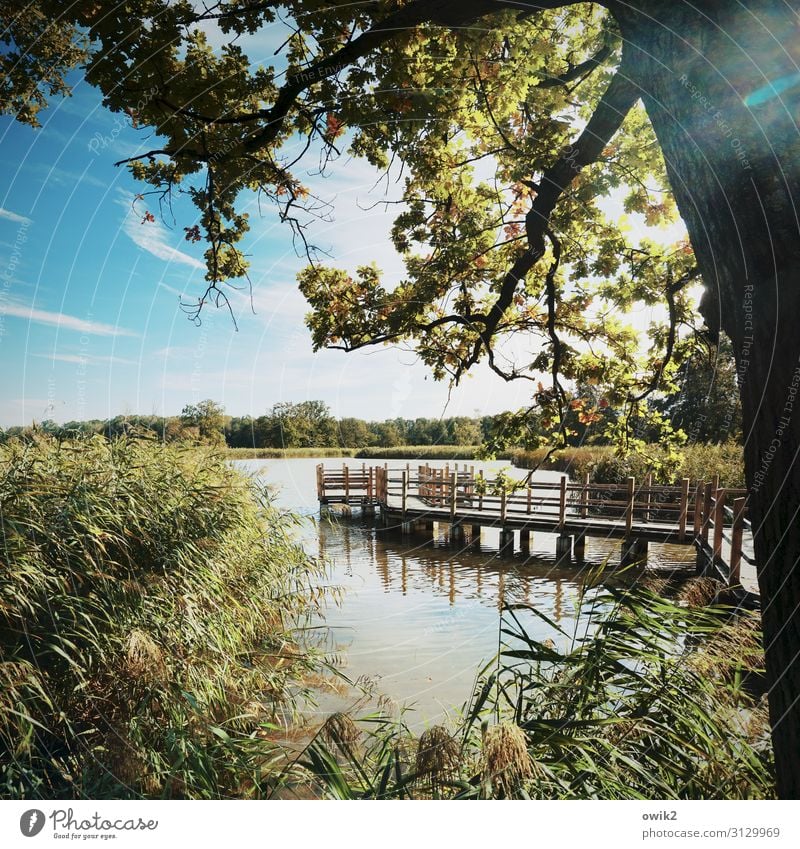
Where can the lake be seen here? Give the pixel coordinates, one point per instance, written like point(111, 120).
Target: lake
point(418, 618)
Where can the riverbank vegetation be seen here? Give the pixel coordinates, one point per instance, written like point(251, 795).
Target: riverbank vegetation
point(649, 698)
point(148, 602)
point(148, 613)
point(606, 465)
point(285, 453)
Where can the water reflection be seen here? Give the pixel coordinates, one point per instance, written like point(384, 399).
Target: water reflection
point(419, 617)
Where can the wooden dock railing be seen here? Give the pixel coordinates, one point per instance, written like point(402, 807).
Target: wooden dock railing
point(711, 517)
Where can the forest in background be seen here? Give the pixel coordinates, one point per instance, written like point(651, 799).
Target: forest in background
point(706, 407)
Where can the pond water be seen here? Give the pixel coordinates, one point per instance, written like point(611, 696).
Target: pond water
point(419, 618)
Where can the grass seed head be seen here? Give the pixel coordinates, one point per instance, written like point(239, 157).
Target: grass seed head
point(437, 753)
point(506, 759)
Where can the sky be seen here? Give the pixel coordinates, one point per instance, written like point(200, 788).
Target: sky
point(91, 324)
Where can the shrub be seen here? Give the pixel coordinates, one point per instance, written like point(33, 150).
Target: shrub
point(146, 601)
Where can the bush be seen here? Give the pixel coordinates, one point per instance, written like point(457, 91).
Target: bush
point(146, 602)
point(702, 462)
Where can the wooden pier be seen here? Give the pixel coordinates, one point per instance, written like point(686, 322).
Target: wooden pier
point(711, 518)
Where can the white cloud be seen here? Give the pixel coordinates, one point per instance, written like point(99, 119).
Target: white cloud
point(85, 359)
point(62, 320)
point(151, 236)
point(13, 216)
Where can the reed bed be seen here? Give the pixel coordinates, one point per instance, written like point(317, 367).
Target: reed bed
point(647, 698)
point(421, 452)
point(284, 453)
point(149, 596)
point(604, 465)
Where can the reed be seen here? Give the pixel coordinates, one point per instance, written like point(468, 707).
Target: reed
point(646, 698)
point(148, 596)
point(421, 452)
point(284, 453)
point(605, 465)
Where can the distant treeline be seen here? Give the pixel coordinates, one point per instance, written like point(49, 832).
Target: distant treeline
point(305, 424)
point(706, 408)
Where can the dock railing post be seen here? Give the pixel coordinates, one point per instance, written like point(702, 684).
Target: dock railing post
point(719, 523)
point(648, 485)
point(698, 510)
point(684, 509)
point(629, 506)
point(530, 492)
point(707, 495)
point(503, 505)
point(404, 494)
point(453, 496)
point(585, 496)
point(562, 502)
point(346, 483)
point(734, 572)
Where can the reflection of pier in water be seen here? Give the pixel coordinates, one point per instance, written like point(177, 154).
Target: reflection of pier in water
point(704, 516)
point(434, 566)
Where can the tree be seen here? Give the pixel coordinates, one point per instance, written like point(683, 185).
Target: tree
point(564, 103)
point(706, 406)
point(299, 425)
point(353, 433)
point(206, 419)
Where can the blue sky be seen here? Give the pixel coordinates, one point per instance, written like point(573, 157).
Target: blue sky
point(90, 320)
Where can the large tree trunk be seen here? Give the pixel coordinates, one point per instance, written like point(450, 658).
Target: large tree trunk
point(732, 148)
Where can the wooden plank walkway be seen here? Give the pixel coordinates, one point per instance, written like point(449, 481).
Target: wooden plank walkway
point(703, 514)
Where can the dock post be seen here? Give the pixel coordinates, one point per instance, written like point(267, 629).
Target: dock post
point(697, 516)
point(475, 535)
point(634, 550)
point(525, 541)
point(579, 547)
point(564, 547)
point(704, 527)
point(734, 570)
point(684, 510)
point(585, 496)
point(719, 523)
point(631, 501)
point(457, 533)
point(506, 541)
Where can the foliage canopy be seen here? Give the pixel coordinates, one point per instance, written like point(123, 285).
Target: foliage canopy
point(510, 136)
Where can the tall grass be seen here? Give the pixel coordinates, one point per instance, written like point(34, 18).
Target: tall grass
point(148, 595)
point(647, 698)
point(283, 453)
point(421, 452)
point(604, 465)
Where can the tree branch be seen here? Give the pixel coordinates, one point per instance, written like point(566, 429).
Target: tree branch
point(450, 13)
point(616, 102)
point(577, 71)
